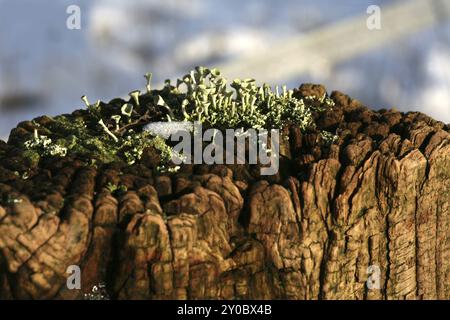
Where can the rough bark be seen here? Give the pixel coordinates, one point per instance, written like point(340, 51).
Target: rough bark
point(378, 196)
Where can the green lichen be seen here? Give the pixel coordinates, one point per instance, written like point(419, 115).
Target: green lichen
point(108, 132)
point(115, 188)
point(45, 146)
point(134, 145)
point(328, 137)
point(208, 99)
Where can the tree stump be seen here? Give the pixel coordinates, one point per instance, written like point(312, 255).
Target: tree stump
point(367, 217)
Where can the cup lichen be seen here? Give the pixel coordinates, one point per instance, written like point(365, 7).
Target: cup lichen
point(107, 132)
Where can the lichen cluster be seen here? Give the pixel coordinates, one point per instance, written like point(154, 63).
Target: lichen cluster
point(99, 135)
point(45, 146)
point(106, 132)
point(208, 99)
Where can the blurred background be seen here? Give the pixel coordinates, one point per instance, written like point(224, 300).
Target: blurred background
point(45, 68)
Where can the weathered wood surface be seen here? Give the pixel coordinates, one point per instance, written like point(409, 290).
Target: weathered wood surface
point(379, 196)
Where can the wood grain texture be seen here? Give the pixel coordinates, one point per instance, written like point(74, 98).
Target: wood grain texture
point(378, 196)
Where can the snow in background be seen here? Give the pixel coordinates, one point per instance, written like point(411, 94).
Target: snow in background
point(45, 68)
